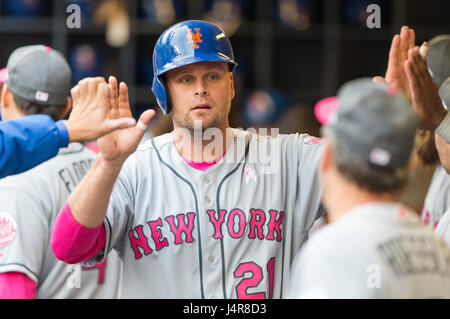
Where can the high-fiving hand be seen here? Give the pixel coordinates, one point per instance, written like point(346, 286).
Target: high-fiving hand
point(118, 145)
point(398, 54)
point(424, 93)
point(408, 71)
point(88, 119)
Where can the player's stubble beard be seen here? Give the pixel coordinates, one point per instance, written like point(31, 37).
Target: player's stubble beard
point(199, 130)
point(219, 120)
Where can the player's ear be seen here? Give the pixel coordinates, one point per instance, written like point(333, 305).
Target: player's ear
point(4, 96)
point(232, 85)
point(327, 157)
point(67, 107)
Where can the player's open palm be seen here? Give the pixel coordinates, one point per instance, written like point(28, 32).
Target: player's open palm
point(424, 92)
point(395, 74)
point(88, 118)
point(118, 145)
point(398, 54)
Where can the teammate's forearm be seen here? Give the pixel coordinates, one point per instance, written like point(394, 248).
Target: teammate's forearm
point(89, 200)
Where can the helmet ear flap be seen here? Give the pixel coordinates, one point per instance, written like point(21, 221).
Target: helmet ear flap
point(163, 81)
point(159, 90)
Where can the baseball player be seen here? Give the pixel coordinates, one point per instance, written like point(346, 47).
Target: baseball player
point(33, 139)
point(206, 211)
point(30, 201)
point(407, 71)
point(375, 247)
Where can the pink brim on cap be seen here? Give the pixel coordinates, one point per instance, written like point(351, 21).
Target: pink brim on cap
point(325, 108)
point(3, 75)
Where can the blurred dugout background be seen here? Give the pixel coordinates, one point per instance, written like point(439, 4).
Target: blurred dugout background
point(291, 53)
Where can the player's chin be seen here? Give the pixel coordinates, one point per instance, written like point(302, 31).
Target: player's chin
point(205, 123)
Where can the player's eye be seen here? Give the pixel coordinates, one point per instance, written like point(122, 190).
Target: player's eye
point(186, 79)
point(213, 77)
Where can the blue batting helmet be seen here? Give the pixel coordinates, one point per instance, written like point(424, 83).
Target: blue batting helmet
point(186, 43)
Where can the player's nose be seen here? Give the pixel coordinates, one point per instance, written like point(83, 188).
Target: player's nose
point(201, 89)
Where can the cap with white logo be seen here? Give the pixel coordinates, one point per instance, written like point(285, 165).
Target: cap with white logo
point(375, 123)
point(39, 74)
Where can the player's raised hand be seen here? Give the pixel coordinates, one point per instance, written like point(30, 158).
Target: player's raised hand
point(424, 92)
point(398, 54)
point(88, 119)
point(118, 145)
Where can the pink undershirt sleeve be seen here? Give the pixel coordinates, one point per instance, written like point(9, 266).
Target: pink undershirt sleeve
point(16, 285)
point(71, 242)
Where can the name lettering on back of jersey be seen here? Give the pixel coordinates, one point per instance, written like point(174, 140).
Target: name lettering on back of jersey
point(413, 255)
point(235, 224)
point(72, 174)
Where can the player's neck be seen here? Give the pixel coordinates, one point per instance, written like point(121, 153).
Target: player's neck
point(344, 196)
point(201, 147)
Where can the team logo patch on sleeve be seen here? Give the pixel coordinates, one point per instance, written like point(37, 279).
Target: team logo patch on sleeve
point(8, 228)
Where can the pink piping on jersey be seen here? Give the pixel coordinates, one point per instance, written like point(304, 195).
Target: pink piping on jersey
point(16, 285)
point(71, 242)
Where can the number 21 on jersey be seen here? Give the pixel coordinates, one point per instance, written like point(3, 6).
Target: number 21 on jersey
point(255, 278)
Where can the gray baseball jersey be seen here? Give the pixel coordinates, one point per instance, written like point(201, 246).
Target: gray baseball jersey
point(443, 228)
point(230, 231)
point(376, 250)
point(437, 200)
point(29, 204)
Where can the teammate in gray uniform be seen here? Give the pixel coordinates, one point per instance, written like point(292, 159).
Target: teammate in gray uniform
point(443, 148)
point(231, 230)
point(437, 201)
point(30, 201)
point(374, 247)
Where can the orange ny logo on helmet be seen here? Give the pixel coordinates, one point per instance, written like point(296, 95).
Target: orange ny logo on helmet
point(194, 38)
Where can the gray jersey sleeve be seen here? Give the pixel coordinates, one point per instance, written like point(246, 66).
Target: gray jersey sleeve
point(24, 233)
point(308, 178)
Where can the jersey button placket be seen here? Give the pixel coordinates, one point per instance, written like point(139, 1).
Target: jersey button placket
point(212, 270)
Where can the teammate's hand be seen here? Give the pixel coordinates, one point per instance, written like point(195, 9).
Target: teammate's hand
point(398, 54)
point(116, 146)
point(88, 119)
point(424, 92)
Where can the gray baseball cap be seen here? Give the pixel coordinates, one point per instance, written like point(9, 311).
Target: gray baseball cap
point(438, 58)
point(39, 74)
point(375, 123)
